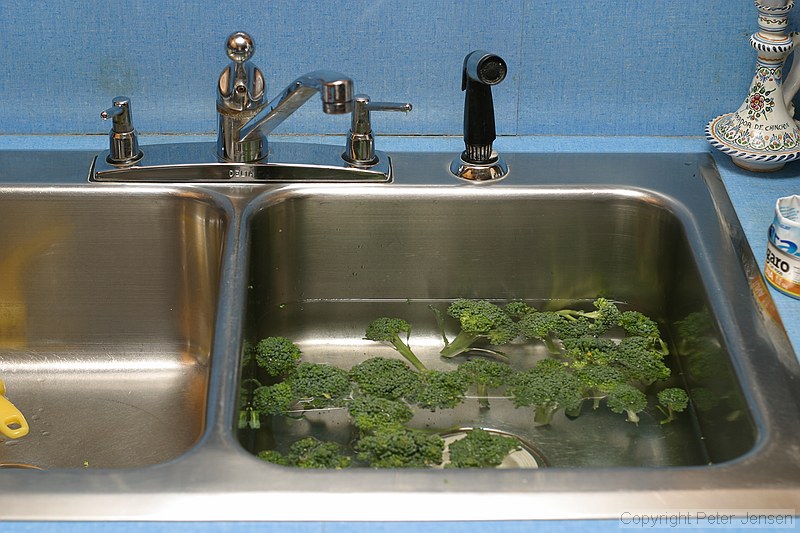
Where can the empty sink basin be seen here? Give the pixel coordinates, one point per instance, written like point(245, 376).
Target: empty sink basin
point(107, 307)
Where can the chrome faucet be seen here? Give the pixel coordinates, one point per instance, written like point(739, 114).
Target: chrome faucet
point(242, 152)
point(245, 120)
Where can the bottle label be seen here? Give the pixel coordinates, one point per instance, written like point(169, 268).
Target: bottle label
point(782, 267)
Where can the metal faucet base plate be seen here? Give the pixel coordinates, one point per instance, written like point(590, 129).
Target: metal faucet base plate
point(197, 162)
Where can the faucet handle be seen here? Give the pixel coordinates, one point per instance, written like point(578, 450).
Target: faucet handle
point(240, 47)
point(241, 84)
point(360, 149)
point(123, 142)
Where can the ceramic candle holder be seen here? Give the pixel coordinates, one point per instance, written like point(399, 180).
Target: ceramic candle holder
point(762, 134)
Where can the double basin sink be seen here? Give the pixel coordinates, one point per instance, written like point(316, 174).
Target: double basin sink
point(124, 309)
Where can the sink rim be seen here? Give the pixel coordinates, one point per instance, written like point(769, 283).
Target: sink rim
point(186, 488)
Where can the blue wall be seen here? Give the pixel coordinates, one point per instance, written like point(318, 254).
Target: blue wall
point(579, 67)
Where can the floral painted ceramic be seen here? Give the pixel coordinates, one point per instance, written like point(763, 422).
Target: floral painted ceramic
point(762, 134)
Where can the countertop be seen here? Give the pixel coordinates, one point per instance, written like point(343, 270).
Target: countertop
point(753, 196)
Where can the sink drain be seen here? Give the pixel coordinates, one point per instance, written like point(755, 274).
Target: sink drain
point(527, 456)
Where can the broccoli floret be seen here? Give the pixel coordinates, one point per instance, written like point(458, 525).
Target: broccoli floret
point(624, 398)
point(598, 381)
point(605, 316)
point(571, 327)
point(317, 386)
point(518, 309)
point(309, 453)
point(485, 375)
point(480, 449)
point(273, 399)
point(441, 389)
point(640, 361)
point(371, 413)
point(637, 324)
point(277, 356)
point(548, 386)
point(589, 350)
point(481, 321)
point(672, 400)
point(400, 447)
point(388, 330)
point(273, 456)
point(541, 326)
point(392, 379)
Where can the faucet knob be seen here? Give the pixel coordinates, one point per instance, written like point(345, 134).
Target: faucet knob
point(360, 149)
point(123, 142)
point(240, 47)
point(241, 84)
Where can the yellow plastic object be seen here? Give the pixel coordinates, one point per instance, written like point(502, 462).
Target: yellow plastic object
point(12, 423)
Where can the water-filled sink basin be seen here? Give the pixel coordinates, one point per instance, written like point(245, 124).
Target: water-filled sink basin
point(107, 309)
point(325, 264)
point(138, 302)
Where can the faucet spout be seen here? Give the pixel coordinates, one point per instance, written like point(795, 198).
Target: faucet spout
point(245, 120)
point(335, 89)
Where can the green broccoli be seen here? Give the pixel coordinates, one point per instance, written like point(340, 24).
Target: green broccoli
point(605, 316)
point(518, 309)
point(309, 453)
point(371, 414)
point(642, 363)
point(571, 327)
point(598, 381)
point(400, 447)
point(480, 449)
point(386, 378)
point(485, 375)
point(277, 356)
point(441, 389)
point(388, 330)
point(316, 386)
point(273, 456)
point(672, 400)
point(548, 386)
point(637, 324)
point(628, 399)
point(481, 321)
point(274, 399)
point(589, 350)
point(541, 326)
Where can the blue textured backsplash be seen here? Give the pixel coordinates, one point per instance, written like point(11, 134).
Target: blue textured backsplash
point(581, 67)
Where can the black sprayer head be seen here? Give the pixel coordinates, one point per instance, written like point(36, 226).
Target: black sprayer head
point(481, 71)
point(483, 67)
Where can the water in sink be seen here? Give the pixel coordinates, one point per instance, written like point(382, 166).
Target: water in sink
point(331, 332)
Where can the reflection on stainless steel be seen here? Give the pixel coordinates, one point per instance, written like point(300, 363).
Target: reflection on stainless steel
point(118, 297)
point(178, 276)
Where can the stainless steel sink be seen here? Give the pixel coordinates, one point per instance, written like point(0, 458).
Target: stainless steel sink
point(215, 265)
point(325, 263)
point(107, 306)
